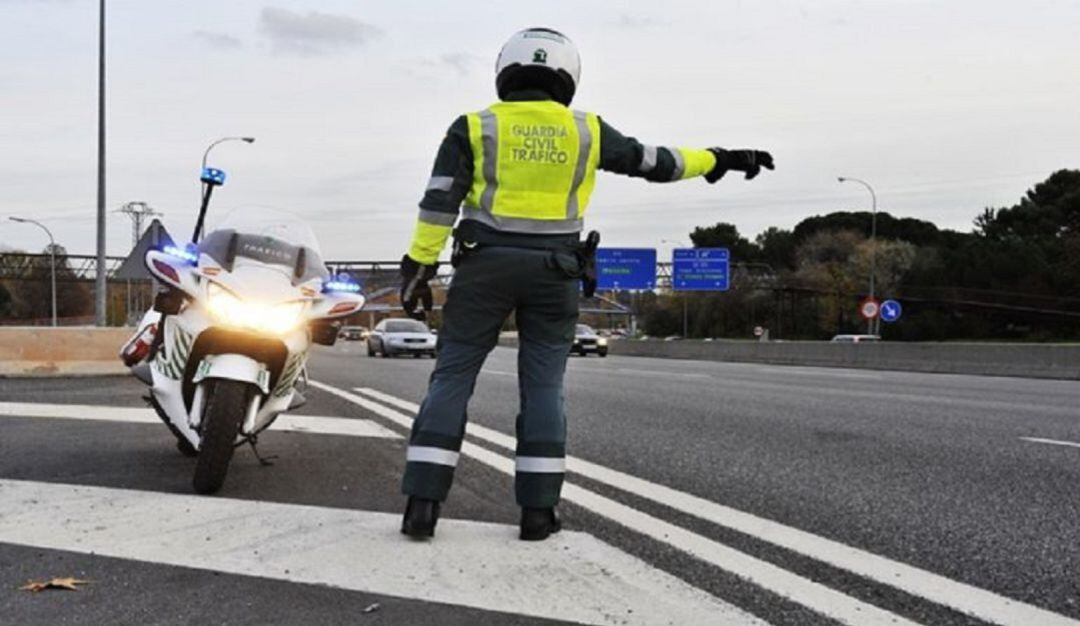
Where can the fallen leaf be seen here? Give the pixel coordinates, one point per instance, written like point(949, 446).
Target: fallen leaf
point(68, 583)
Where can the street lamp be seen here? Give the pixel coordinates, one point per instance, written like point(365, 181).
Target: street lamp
point(52, 256)
point(223, 140)
point(873, 238)
point(206, 189)
point(685, 314)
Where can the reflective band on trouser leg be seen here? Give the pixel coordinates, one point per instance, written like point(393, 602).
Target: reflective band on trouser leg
point(428, 454)
point(584, 146)
point(538, 480)
point(489, 129)
point(541, 464)
point(429, 472)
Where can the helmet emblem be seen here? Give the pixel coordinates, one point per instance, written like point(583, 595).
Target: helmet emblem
point(540, 56)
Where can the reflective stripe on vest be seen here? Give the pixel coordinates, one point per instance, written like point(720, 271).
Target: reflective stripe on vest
point(534, 166)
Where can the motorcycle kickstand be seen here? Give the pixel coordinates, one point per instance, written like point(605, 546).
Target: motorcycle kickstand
point(263, 461)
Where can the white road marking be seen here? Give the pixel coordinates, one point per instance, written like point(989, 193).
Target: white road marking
point(487, 370)
point(815, 596)
point(1053, 442)
point(286, 422)
point(624, 371)
point(659, 373)
point(573, 576)
point(785, 370)
point(985, 605)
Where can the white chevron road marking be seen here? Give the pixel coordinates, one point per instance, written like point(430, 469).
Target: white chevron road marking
point(573, 576)
point(985, 605)
point(286, 422)
point(829, 602)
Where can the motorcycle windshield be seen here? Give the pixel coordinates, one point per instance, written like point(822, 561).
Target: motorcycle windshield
point(268, 236)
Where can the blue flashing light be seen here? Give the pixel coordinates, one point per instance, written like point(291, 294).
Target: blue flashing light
point(187, 253)
point(213, 176)
point(342, 282)
point(341, 286)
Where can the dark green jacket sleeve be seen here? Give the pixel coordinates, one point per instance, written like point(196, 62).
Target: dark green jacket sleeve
point(451, 177)
point(628, 156)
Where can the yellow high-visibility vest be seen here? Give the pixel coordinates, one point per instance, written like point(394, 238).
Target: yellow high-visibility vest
point(534, 166)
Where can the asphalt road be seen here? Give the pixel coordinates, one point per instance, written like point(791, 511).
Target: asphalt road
point(793, 495)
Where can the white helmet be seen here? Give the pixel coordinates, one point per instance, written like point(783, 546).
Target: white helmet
point(539, 58)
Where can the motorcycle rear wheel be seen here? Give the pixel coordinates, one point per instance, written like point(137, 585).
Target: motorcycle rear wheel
point(226, 405)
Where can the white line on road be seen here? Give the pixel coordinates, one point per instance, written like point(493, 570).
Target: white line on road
point(787, 370)
point(1053, 442)
point(813, 595)
point(573, 576)
point(488, 370)
point(624, 371)
point(965, 598)
point(286, 422)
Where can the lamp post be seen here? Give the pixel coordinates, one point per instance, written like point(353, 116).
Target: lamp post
point(223, 140)
point(685, 314)
point(52, 257)
point(873, 238)
point(206, 189)
point(101, 286)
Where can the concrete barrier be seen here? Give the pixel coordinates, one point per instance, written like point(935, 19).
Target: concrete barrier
point(63, 351)
point(1058, 361)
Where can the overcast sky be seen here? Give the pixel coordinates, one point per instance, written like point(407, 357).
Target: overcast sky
point(945, 106)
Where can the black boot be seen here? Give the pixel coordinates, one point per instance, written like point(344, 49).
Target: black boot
point(420, 517)
point(538, 524)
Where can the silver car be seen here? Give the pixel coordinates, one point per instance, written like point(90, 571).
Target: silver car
point(395, 336)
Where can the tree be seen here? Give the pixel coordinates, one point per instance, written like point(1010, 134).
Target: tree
point(777, 248)
point(725, 235)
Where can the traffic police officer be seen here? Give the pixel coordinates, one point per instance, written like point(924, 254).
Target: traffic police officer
point(525, 168)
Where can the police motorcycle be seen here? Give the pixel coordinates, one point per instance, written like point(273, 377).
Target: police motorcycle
point(227, 339)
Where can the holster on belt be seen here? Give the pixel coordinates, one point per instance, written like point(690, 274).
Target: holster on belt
point(576, 259)
point(586, 254)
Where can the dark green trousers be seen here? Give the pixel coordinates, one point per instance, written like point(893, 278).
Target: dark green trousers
point(488, 285)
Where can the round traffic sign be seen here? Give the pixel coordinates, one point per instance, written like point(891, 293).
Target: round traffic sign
point(758, 331)
point(890, 311)
point(869, 308)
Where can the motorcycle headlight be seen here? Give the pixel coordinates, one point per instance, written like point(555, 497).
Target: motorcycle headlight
point(274, 319)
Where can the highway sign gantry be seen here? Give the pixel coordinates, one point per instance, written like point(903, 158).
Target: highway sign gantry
point(625, 268)
point(700, 269)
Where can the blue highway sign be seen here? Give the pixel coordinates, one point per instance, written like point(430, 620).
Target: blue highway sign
point(700, 269)
point(890, 311)
point(625, 268)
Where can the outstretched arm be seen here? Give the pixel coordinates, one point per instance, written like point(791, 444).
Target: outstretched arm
point(625, 155)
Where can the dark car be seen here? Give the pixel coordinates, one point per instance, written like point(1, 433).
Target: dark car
point(586, 340)
point(401, 336)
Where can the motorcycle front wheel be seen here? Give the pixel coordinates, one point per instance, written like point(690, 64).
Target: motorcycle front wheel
point(226, 405)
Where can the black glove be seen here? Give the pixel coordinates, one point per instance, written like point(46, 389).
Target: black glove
point(415, 288)
point(749, 161)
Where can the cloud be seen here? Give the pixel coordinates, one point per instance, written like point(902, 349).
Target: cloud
point(220, 41)
point(635, 22)
point(314, 32)
point(461, 62)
